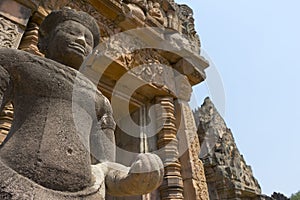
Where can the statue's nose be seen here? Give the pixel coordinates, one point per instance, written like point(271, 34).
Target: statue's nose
point(81, 40)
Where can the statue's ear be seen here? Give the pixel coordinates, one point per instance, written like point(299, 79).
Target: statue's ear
point(43, 42)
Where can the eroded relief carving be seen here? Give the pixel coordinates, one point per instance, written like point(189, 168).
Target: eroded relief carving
point(9, 34)
point(156, 12)
point(121, 48)
point(146, 64)
point(150, 66)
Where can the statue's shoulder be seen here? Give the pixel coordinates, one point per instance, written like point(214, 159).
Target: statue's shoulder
point(17, 58)
point(13, 57)
point(14, 54)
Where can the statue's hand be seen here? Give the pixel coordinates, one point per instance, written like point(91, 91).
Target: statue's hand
point(144, 176)
point(147, 172)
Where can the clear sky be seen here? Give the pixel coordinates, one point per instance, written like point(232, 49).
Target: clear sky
point(255, 46)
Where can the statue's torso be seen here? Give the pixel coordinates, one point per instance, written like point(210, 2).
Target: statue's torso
point(54, 112)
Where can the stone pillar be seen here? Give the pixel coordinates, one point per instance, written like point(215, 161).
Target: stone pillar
point(192, 170)
point(14, 17)
point(172, 186)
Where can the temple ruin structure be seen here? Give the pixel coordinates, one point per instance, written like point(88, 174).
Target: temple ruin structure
point(227, 174)
point(146, 64)
point(160, 56)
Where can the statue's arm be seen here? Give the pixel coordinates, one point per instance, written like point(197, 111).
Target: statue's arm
point(10, 60)
point(144, 176)
point(103, 147)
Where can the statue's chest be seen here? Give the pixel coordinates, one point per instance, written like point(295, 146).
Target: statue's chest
point(51, 81)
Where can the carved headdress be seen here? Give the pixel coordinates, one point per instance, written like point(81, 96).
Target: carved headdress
point(65, 14)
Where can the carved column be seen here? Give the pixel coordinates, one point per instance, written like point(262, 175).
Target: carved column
point(192, 169)
point(172, 186)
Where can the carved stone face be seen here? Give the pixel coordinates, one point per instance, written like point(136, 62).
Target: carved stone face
point(70, 43)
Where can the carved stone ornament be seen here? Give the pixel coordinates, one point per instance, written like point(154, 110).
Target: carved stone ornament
point(9, 34)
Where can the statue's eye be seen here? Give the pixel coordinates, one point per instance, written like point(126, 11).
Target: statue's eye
point(72, 33)
point(89, 39)
point(89, 42)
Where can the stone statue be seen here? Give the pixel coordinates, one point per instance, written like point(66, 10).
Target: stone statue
point(59, 118)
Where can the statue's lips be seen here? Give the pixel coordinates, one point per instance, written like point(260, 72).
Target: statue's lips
point(79, 48)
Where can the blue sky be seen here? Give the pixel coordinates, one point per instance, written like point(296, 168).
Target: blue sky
point(255, 47)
